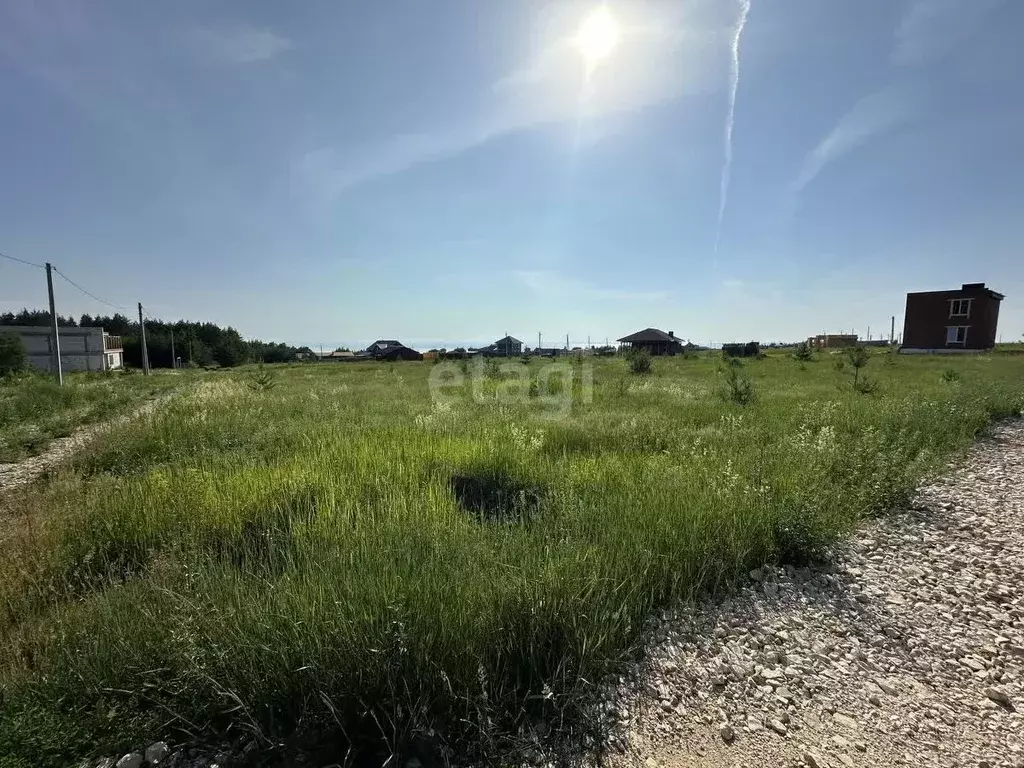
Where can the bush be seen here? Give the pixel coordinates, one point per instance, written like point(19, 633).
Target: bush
point(261, 381)
point(639, 361)
point(803, 352)
point(858, 357)
point(950, 376)
point(13, 355)
point(738, 387)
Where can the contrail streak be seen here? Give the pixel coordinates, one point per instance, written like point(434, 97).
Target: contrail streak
point(734, 84)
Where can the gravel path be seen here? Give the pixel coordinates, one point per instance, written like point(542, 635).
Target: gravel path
point(61, 449)
point(907, 650)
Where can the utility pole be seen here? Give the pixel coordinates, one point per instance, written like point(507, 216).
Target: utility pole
point(567, 342)
point(892, 329)
point(174, 360)
point(55, 346)
point(538, 340)
point(145, 352)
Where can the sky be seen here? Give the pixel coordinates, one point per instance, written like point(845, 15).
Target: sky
point(448, 172)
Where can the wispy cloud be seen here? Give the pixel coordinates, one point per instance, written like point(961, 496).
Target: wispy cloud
point(548, 283)
point(928, 30)
point(873, 115)
point(656, 62)
point(932, 28)
point(734, 85)
point(238, 44)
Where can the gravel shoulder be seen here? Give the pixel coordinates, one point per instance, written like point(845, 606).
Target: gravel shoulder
point(907, 649)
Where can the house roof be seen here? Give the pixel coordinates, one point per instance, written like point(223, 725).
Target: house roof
point(506, 340)
point(386, 343)
point(649, 334)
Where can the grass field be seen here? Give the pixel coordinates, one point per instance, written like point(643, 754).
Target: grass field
point(34, 409)
point(342, 555)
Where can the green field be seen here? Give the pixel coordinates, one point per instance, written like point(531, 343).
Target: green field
point(34, 409)
point(338, 555)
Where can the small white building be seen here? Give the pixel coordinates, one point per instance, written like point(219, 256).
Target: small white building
point(81, 349)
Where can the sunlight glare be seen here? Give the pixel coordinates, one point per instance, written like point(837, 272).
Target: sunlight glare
point(598, 37)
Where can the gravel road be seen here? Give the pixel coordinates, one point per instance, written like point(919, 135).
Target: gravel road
point(908, 649)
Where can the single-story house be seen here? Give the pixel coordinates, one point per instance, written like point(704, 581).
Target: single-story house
point(390, 349)
point(81, 348)
point(833, 340)
point(653, 341)
point(338, 356)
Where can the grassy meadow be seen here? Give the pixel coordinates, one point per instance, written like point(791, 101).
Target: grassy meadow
point(366, 559)
point(34, 409)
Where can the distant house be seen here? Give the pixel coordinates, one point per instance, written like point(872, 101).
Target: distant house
point(506, 347)
point(338, 356)
point(389, 349)
point(833, 340)
point(81, 348)
point(653, 341)
point(951, 321)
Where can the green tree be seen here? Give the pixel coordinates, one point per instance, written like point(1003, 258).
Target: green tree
point(13, 355)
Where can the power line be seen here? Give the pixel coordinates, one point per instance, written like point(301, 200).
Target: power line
point(90, 295)
point(22, 261)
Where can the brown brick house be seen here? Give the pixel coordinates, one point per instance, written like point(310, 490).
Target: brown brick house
point(951, 321)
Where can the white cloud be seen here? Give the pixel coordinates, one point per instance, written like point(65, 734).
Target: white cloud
point(873, 115)
point(239, 44)
point(932, 28)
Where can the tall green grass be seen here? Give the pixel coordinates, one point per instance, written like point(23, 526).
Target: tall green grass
point(341, 561)
point(34, 409)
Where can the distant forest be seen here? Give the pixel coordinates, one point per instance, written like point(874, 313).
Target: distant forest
point(205, 344)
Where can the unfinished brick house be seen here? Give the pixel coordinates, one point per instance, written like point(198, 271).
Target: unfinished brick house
point(951, 321)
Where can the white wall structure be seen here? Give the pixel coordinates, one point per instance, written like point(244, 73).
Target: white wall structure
point(81, 349)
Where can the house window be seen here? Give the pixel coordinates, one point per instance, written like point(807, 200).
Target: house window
point(960, 308)
point(956, 334)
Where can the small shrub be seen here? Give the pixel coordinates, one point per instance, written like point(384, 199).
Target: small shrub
point(858, 357)
point(262, 381)
point(639, 362)
point(13, 355)
point(865, 386)
point(738, 388)
point(464, 366)
point(839, 365)
point(491, 368)
point(950, 376)
point(803, 352)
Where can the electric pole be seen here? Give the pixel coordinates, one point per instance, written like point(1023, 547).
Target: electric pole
point(538, 340)
point(892, 329)
point(174, 360)
point(55, 345)
point(145, 352)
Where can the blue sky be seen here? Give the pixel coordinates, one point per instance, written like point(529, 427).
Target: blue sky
point(446, 172)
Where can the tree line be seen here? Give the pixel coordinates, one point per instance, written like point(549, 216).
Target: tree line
point(203, 344)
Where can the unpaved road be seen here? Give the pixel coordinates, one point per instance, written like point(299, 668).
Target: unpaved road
point(17, 474)
point(907, 650)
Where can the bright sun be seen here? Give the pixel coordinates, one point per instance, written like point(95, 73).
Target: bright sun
point(598, 37)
